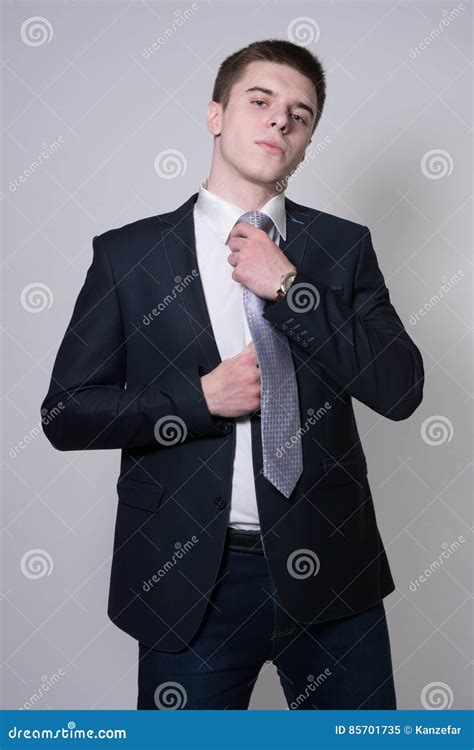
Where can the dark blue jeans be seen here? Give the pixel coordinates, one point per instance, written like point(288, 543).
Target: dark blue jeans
point(340, 664)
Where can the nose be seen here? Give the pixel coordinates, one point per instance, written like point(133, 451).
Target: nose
point(279, 120)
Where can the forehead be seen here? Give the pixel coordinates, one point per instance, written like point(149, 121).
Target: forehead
point(282, 79)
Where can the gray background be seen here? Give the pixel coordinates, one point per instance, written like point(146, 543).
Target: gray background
point(111, 111)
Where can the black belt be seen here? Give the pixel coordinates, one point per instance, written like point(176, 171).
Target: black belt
point(244, 540)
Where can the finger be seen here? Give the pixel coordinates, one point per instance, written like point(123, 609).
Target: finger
point(242, 229)
point(236, 243)
point(246, 350)
point(251, 347)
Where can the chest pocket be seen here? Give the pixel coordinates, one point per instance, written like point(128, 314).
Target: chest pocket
point(139, 494)
point(344, 470)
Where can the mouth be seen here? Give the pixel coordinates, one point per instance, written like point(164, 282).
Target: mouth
point(271, 148)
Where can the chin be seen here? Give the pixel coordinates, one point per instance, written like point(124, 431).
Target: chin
point(263, 175)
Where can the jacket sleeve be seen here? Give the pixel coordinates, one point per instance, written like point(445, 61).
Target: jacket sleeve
point(88, 405)
point(364, 348)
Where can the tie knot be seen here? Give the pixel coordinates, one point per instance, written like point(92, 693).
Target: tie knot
point(258, 219)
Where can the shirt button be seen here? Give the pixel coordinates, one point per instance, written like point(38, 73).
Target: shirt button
point(227, 426)
point(219, 502)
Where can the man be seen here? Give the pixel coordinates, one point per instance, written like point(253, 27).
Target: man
point(219, 346)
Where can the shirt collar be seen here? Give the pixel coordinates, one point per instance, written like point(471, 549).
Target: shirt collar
point(221, 214)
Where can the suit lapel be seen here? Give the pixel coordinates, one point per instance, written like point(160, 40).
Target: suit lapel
point(297, 232)
point(178, 238)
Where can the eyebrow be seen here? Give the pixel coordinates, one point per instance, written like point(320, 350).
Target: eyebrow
point(269, 92)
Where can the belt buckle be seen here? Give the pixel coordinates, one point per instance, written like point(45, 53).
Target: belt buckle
point(245, 540)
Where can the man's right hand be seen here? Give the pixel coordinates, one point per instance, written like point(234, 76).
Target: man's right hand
point(232, 389)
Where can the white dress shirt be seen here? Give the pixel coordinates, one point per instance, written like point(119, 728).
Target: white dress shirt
point(214, 218)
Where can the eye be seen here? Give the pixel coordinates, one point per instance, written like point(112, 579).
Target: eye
point(300, 119)
point(261, 101)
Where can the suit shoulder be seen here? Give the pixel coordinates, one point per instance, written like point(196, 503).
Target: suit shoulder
point(332, 223)
point(128, 235)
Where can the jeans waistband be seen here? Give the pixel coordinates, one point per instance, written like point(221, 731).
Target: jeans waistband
point(244, 540)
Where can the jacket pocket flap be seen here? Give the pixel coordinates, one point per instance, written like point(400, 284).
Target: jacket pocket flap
point(344, 470)
point(144, 495)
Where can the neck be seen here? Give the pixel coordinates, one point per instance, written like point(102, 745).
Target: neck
point(229, 184)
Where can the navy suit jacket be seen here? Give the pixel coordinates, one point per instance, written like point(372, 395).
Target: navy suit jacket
point(127, 375)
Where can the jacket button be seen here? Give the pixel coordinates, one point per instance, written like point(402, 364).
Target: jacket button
point(220, 502)
point(305, 344)
point(284, 327)
point(298, 337)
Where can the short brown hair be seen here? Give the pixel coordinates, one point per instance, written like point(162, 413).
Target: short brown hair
point(272, 50)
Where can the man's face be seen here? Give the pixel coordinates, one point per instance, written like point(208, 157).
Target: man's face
point(286, 117)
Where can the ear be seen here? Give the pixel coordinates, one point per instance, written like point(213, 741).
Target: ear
point(214, 118)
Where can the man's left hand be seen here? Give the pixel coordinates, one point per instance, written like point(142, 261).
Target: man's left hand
point(258, 262)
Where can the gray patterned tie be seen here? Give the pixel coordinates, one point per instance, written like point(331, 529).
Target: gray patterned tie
point(282, 458)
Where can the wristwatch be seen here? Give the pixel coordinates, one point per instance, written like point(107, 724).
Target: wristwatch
point(286, 281)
